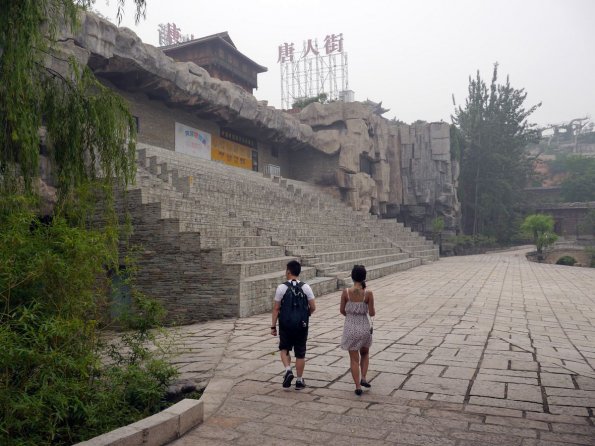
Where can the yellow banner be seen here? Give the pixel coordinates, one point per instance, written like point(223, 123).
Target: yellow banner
point(229, 152)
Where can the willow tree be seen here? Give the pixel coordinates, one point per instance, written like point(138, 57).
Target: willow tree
point(54, 388)
point(494, 132)
point(87, 125)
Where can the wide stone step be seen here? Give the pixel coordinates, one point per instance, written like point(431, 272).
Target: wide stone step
point(329, 247)
point(258, 291)
point(323, 285)
point(240, 254)
point(150, 196)
point(341, 239)
point(340, 256)
point(391, 225)
point(420, 248)
point(260, 224)
point(217, 232)
point(146, 152)
point(245, 207)
point(380, 270)
point(428, 254)
point(330, 233)
point(407, 243)
point(308, 273)
point(221, 185)
point(257, 267)
point(214, 220)
point(368, 261)
point(237, 241)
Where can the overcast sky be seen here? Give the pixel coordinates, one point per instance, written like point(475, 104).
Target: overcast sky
point(412, 55)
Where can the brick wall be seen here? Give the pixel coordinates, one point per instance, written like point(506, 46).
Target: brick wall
point(157, 128)
point(188, 281)
point(157, 121)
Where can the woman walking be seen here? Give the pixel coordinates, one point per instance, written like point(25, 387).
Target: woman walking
point(356, 304)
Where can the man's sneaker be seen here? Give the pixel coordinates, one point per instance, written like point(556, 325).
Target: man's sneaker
point(287, 379)
point(300, 384)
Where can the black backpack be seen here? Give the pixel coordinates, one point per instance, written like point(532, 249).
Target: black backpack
point(295, 312)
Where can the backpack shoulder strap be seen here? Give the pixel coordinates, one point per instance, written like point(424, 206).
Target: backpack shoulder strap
point(288, 285)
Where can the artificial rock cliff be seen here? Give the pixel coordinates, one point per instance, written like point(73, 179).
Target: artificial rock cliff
point(392, 169)
point(389, 168)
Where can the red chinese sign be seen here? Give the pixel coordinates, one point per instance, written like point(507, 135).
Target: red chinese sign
point(333, 43)
point(170, 34)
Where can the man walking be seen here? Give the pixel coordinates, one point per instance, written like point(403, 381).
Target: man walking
point(292, 307)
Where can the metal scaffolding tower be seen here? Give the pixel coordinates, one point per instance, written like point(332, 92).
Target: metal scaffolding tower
point(312, 73)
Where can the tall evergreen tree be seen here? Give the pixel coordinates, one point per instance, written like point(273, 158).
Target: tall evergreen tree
point(579, 185)
point(494, 167)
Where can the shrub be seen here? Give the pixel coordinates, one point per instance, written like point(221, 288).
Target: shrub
point(540, 228)
point(469, 244)
point(54, 388)
point(566, 260)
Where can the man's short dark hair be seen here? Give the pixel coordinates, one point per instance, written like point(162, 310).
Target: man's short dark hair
point(294, 268)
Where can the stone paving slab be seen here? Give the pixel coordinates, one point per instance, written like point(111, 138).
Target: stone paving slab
point(477, 350)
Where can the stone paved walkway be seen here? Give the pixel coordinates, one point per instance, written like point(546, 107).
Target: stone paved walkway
point(478, 350)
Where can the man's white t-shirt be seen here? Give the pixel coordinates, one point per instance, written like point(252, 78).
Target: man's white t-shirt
point(282, 288)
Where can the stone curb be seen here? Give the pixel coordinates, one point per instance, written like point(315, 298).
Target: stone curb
point(156, 430)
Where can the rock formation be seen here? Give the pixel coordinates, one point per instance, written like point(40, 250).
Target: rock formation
point(391, 169)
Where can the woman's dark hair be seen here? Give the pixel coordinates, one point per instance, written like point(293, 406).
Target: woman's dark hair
point(358, 274)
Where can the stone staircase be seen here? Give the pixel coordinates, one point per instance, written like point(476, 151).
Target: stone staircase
point(248, 227)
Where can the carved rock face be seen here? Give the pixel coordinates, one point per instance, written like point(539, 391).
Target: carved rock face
point(411, 167)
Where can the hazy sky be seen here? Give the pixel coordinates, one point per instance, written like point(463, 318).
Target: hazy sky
point(412, 55)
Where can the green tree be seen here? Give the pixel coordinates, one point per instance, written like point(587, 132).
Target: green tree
point(540, 228)
point(437, 228)
point(54, 388)
point(84, 120)
point(302, 103)
point(587, 225)
point(579, 185)
point(492, 134)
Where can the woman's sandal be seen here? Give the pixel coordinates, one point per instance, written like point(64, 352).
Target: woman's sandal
point(365, 383)
point(358, 392)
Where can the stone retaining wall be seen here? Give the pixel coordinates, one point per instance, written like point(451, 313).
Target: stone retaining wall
point(582, 257)
point(156, 430)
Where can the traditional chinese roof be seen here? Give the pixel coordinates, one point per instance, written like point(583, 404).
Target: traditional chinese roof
point(223, 38)
point(376, 107)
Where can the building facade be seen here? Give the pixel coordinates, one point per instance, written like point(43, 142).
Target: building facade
point(219, 56)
